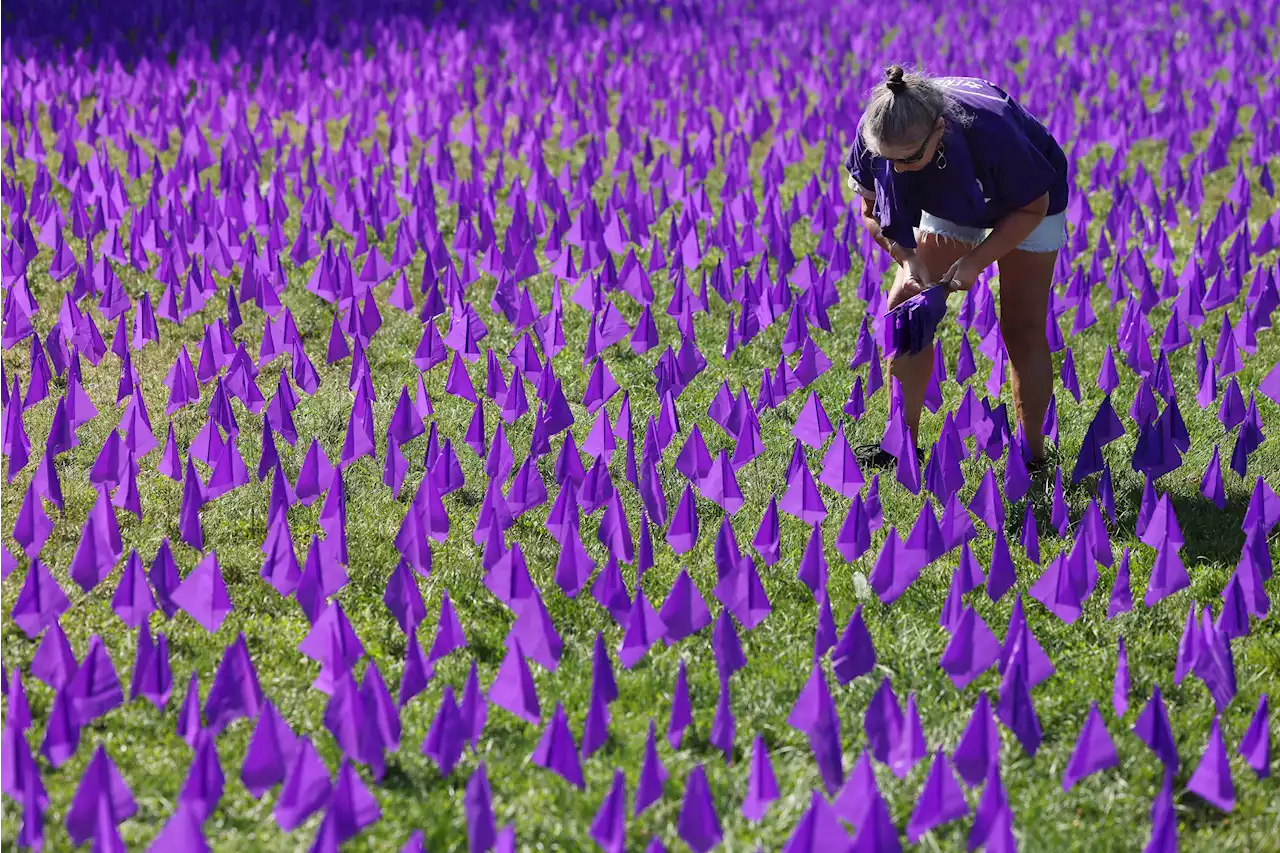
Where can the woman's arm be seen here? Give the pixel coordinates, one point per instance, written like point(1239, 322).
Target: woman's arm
point(901, 254)
point(904, 256)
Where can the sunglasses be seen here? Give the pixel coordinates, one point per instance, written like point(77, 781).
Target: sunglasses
point(919, 155)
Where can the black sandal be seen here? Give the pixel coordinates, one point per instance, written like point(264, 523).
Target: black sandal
point(873, 456)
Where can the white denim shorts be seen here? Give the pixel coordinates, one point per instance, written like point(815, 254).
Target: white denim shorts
point(1050, 235)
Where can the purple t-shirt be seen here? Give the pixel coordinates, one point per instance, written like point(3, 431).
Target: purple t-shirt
point(1005, 159)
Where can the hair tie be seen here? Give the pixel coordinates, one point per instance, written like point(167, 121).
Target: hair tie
point(893, 79)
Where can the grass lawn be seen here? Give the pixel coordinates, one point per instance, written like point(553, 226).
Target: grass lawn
point(1109, 811)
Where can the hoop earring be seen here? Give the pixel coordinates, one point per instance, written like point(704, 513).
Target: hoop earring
point(942, 155)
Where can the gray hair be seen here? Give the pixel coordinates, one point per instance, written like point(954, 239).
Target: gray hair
point(904, 107)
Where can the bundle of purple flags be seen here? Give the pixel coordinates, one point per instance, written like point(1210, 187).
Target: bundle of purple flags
point(911, 325)
point(305, 311)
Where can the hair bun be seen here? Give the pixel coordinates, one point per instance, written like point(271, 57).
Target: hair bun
point(893, 79)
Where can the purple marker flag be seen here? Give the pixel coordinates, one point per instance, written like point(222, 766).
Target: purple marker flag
point(482, 829)
point(1255, 745)
point(854, 653)
point(698, 824)
point(978, 750)
point(814, 713)
point(653, 775)
point(1164, 823)
point(1152, 728)
point(306, 787)
point(203, 594)
point(941, 801)
point(235, 692)
point(1211, 780)
point(609, 828)
point(876, 832)
point(513, 689)
point(557, 751)
point(102, 802)
point(762, 787)
point(271, 750)
point(1094, 750)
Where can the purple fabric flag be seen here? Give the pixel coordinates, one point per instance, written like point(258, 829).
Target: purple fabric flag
point(840, 471)
point(1121, 591)
point(876, 832)
point(941, 801)
point(653, 776)
point(698, 824)
point(767, 539)
point(272, 747)
point(203, 594)
point(681, 708)
point(133, 600)
point(854, 654)
point(814, 713)
point(556, 751)
point(202, 788)
point(911, 325)
point(1094, 750)
point(101, 802)
point(447, 735)
point(644, 628)
point(182, 833)
point(95, 688)
point(351, 806)
point(812, 571)
point(812, 424)
point(1001, 576)
point(1120, 683)
point(513, 689)
point(896, 568)
point(235, 692)
point(482, 829)
point(978, 750)
point(54, 663)
point(1211, 780)
point(682, 534)
point(742, 593)
point(802, 498)
point(1016, 709)
point(40, 601)
point(972, 650)
point(1255, 745)
point(609, 828)
point(723, 726)
point(1164, 823)
point(854, 801)
point(883, 722)
point(1152, 728)
point(992, 821)
point(537, 634)
point(762, 787)
point(306, 787)
point(684, 612)
point(449, 633)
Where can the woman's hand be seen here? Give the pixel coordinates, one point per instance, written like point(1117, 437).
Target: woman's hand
point(963, 274)
point(917, 270)
point(903, 289)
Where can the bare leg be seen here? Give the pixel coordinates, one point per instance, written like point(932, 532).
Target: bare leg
point(913, 371)
point(1025, 280)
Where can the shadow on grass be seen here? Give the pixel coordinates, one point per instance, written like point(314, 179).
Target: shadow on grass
point(1211, 534)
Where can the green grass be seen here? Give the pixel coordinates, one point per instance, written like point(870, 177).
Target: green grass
point(1105, 812)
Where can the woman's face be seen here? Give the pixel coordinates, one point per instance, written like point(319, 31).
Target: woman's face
point(914, 156)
